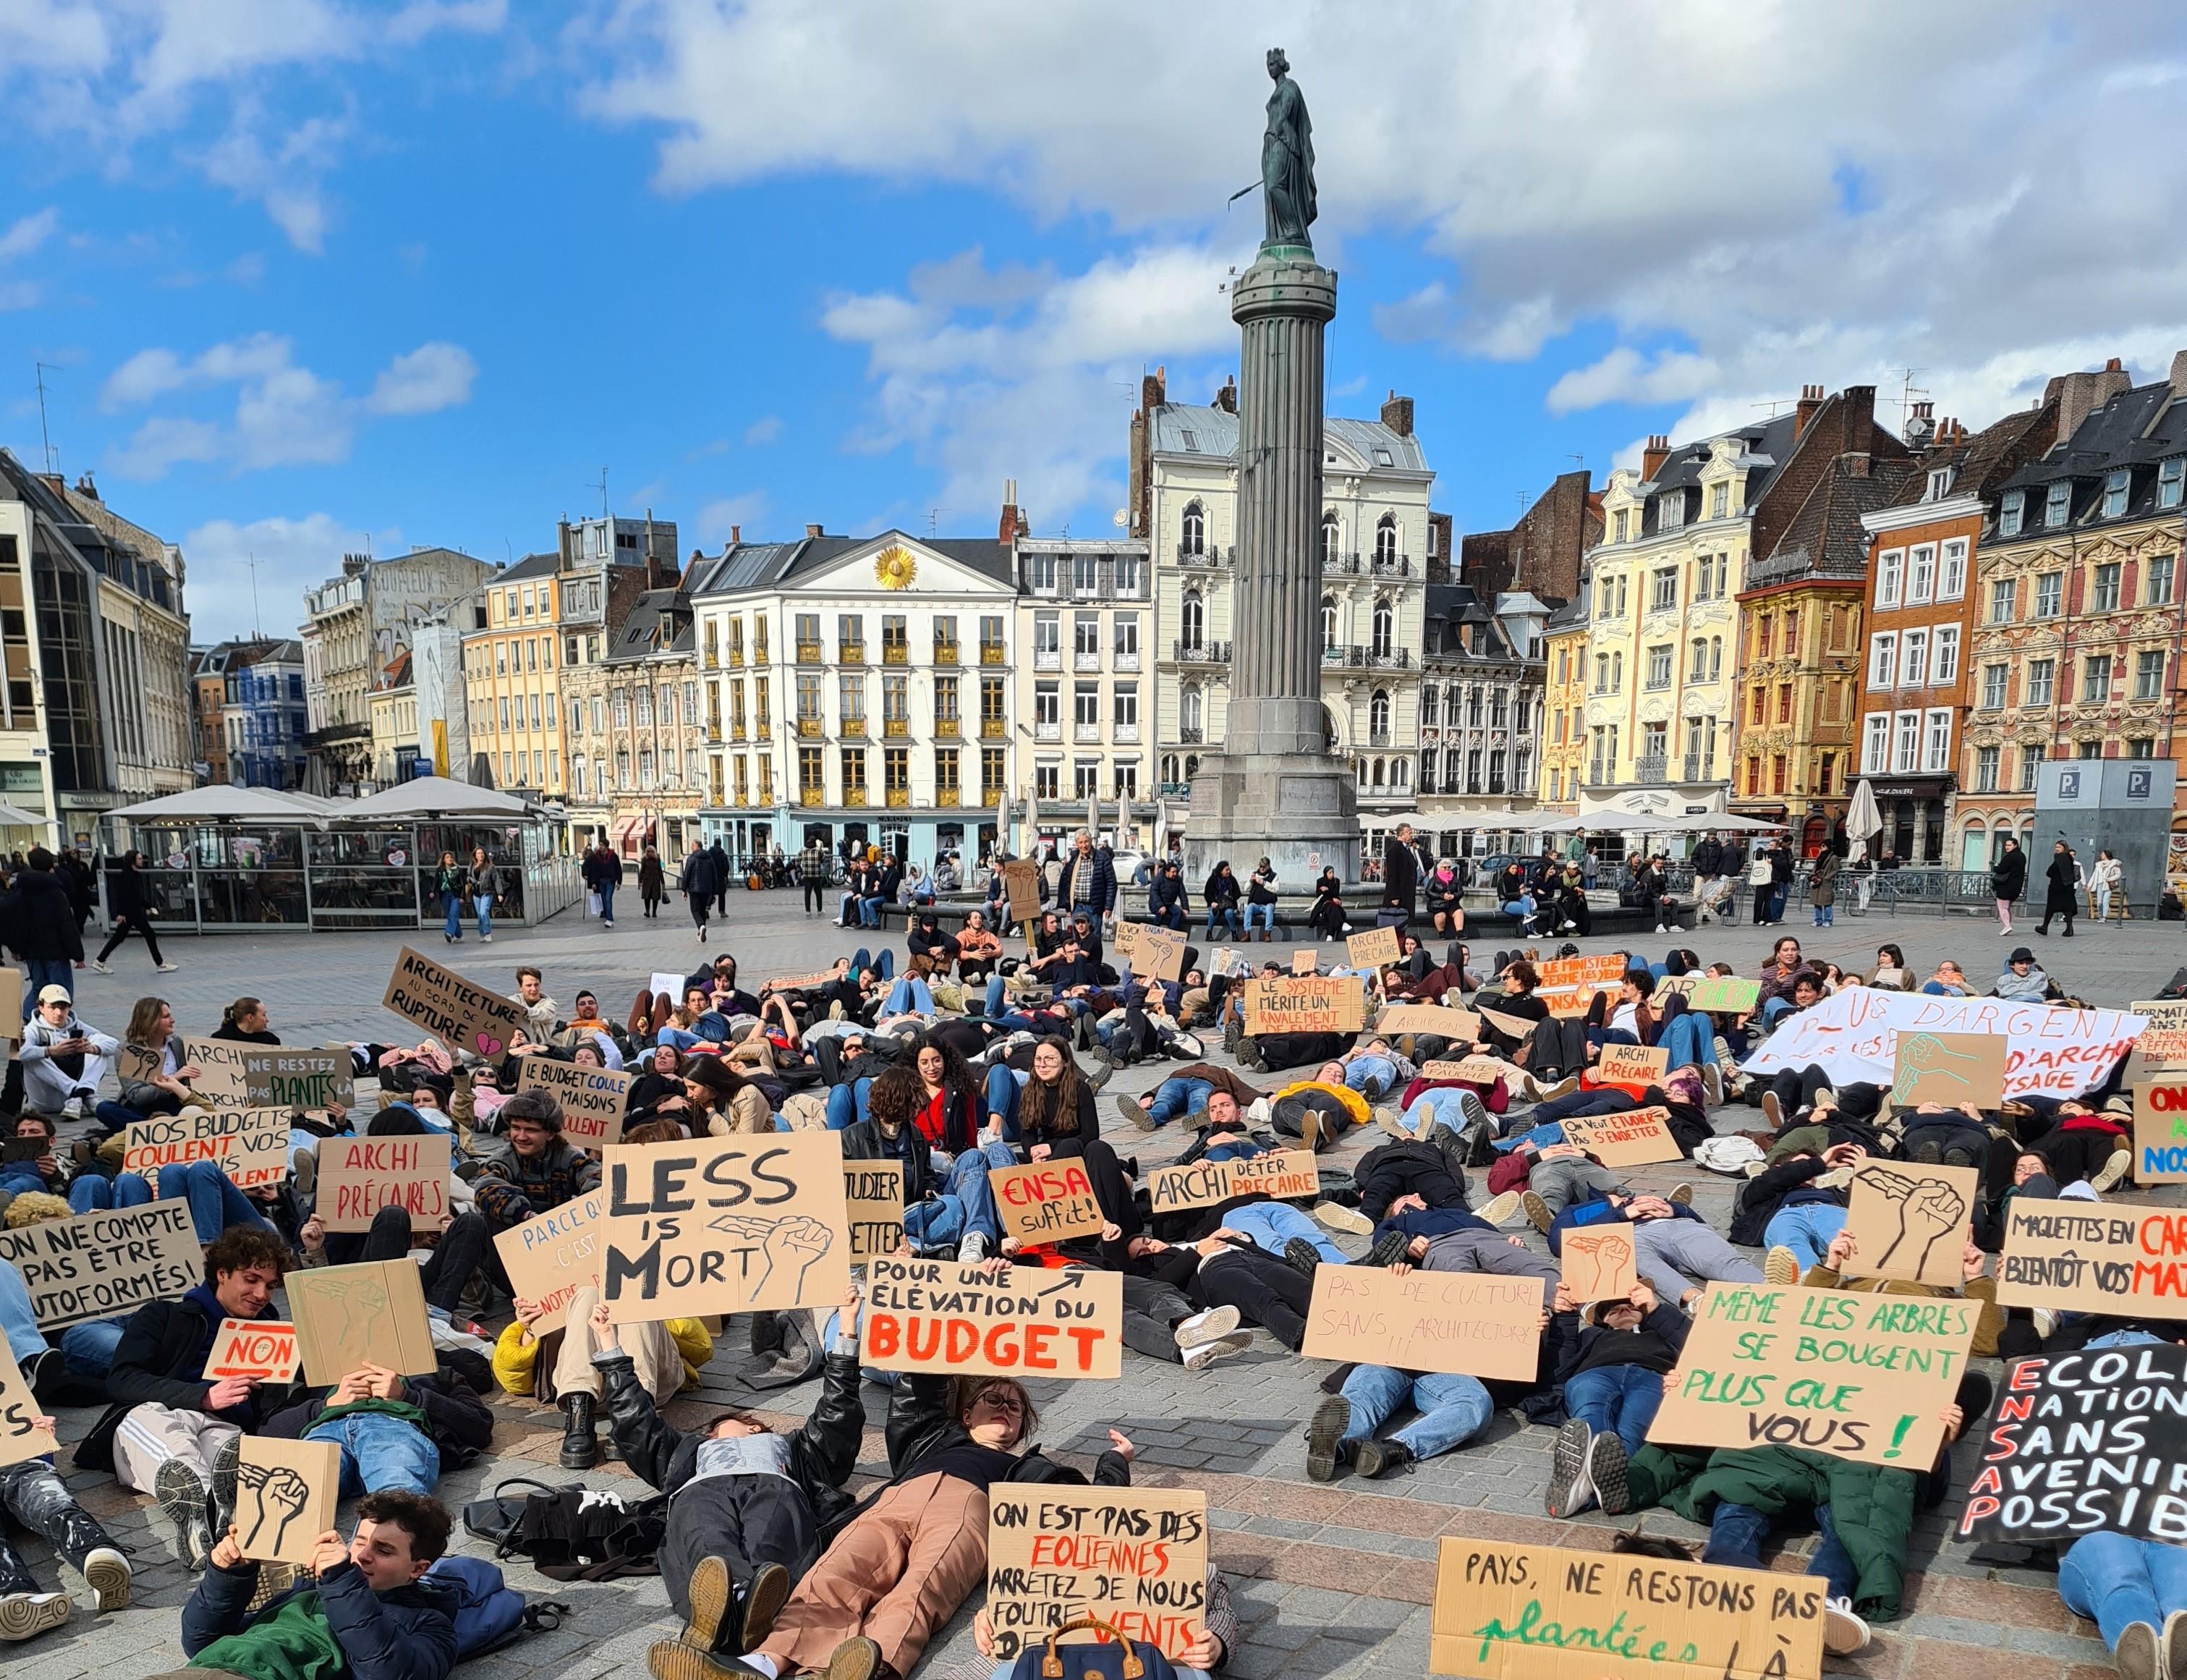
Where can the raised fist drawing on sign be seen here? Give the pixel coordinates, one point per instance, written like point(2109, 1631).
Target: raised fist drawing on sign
point(279, 1496)
point(1930, 1211)
point(789, 1247)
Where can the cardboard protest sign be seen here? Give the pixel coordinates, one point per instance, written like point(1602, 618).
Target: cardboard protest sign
point(2167, 1015)
point(2163, 1046)
point(349, 1316)
point(662, 980)
point(1853, 1035)
point(1373, 948)
point(20, 1437)
point(252, 1145)
point(1631, 1064)
point(104, 1265)
point(359, 1176)
point(806, 982)
point(736, 1224)
point(1468, 1322)
point(1280, 1174)
point(2082, 1441)
point(1048, 1201)
point(285, 1492)
point(1154, 953)
point(2160, 1131)
point(1854, 1375)
point(1136, 1558)
point(1675, 985)
point(1021, 882)
point(1569, 1003)
point(933, 1315)
point(221, 1081)
point(2124, 1259)
point(298, 1080)
point(550, 1258)
point(1220, 963)
point(1511, 1026)
point(1394, 1019)
point(1948, 1067)
point(1582, 971)
point(438, 1000)
point(1304, 962)
point(1910, 1221)
point(872, 1201)
point(1600, 1263)
point(1725, 994)
point(1473, 1070)
point(1513, 1612)
point(592, 1099)
point(11, 1004)
point(264, 1349)
point(1637, 1138)
point(1305, 1003)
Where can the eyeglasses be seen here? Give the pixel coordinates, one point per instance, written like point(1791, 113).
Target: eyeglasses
point(1000, 1400)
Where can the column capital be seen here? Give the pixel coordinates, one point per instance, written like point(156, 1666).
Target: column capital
point(1284, 285)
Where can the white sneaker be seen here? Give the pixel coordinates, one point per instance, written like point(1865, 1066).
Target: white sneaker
point(109, 1577)
point(1660, 928)
point(1201, 1357)
point(1843, 1632)
point(1203, 1328)
point(971, 1248)
point(1674, 927)
point(169, 968)
point(99, 968)
point(25, 1616)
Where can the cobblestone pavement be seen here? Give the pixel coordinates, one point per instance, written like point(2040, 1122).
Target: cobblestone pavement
point(1330, 1580)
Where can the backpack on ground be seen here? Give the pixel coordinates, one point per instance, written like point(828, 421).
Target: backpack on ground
point(490, 1613)
point(569, 1533)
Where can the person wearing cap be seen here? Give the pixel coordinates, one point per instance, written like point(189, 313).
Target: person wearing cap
point(63, 1058)
point(2021, 981)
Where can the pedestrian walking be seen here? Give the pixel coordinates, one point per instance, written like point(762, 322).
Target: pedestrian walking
point(813, 872)
point(486, 892)
point(1823, 888)
point(718, 855)
point(2061, 895)
point(652, 880)
point(698, 884)
point(131, 913)
point(39, 924)
point(2008, 880)
point(2104, 881)
point(602, 874)
point(453, 883)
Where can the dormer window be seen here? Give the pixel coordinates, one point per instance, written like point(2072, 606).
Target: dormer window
point(2057, 504)
point(2009, 512)
point(2170, 476)
point(1940, 483)
point(1671, 510)
point(2115, 485)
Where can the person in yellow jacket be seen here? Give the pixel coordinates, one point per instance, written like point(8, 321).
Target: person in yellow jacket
point(1316, 1110)
point(668, 1357)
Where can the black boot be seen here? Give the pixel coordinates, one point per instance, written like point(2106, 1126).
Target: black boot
point(581, 1447)
point(1372, 1457)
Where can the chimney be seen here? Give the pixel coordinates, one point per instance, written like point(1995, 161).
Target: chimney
point(1653, 457)
point(1921, 425)
point(1856, 418)
point(736, 535)
point(563, 556)
point(814, 531)
point(1227, 398)
point(1856, 464)
point(2178, 379)
point(1154, 390)
point(2080, 395)
point(1804, 412)
point(1006, 529)
point(1397, 414)
point(87, 488)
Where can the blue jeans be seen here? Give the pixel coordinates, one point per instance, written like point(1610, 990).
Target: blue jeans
point(882, 962)
point(92, 1193)
point(1170, 916)
point(1226, 916)
point(88, 1350)
point(909, 996)
point(1619, 1400)
point(18, 1323)
point(1824, 913)
point(1176, 1098)
point(1447, 1105)
point(454, 907)
point(482, 903)
point(1738, 1532)
point(1688, 1041)
point(1370, 1074)
point(967, 1185)
point(214, 1202)
point(43, 975)
point(1806, 1230)
point(379, 1453)
point(2115, 1579)
point(1266, 915)
point(1272, 1224)
point(1774, 1007)
point(22, 1179)
point(847, 1103)
point(935, 1223)
point(606, 890)
point(869, 911)
point(1005, 1083)
point(1453, 1409)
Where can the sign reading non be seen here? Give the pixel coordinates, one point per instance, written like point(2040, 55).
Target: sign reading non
point(872, 1201)
point(105, 1265)
point(359, 1176)
point(2123, 1260)
point(1910, 1221)
point(1466, 1323)
point(350, 1316)
point(1047, 1202)
point(1373, 948)
point(2082, 1441)
point(251, 1145)
point(932, 1315)
point(592, 1099)
point(1304, 1004)
point(299, 1080)
point(264, 1350)
point(1636, 1137)
point(284, 1497)
point(1599, 1263)
point(721, 1225)
point(1951, 1068)
point(1283, 1175)
point(2160, 1130)
point(550, 1258)
point(438, 1000)
point(1136, 1558)
point(1853, 1375)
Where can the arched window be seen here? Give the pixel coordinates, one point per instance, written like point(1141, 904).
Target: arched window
point(1385, 628)
point(1697, 666)
point(1195, 619)
point(1715, 657)
point(1363, 772)
point(1385, 539)
point(1195, 531)
point(1169, 768)
point(1378, 714)
point(1375, 778)
point(1332, 537)
point(1328, 621)
point(1191, 766)
point(1400, 774)
point(1191, 713)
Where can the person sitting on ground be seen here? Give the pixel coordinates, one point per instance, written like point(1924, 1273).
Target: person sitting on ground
point(747, 1506)
point(367, 1613)
point(2021, 982)
point(1950, 980)
point(977, 949)
point(536, 1173)
point(957, 1215)
point(63, 1058)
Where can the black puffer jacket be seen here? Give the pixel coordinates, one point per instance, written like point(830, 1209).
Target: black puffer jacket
point(160, 1358)
point(822, 1454)
point(1395, 1169)
point(36, 920)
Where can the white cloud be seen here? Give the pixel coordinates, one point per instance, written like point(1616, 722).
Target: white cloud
point(1625, 375)
point(29, 234)
point(431, 378)
point(284, 415)
point(20, 293)
point(763, 430)
point(716, 517)
point(290, 555)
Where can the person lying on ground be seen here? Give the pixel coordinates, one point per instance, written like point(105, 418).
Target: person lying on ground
point(1610, 1359)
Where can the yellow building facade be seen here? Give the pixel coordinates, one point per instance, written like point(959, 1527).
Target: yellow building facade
point(1563, 705)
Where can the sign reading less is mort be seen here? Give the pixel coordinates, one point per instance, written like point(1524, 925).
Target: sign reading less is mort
point(1048, 1202)
point(1136, 1558)
point(721, 1225)
point(932, 1315)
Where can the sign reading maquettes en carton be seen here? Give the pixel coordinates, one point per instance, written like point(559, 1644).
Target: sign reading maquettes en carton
point(2122, 1260)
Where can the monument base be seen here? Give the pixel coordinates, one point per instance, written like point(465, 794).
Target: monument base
point(1299, 810)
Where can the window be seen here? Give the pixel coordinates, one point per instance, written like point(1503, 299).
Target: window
point(1921, 574)
point(2141, 747)
point(1825, 768)
point(2049, 591)
point(2057, 503)
point(1385, 539)
point(1937, 743)
point(1777, 774)
point(1085, 778)
point(2091, 749)
point(645, 708)
point(1883, 661)
point(1659, 666)
point(851, 636)
point(945, 704)
point(1126, 778)
point(1188, 712)
point(1328, 621)
point(1952, 584)
point(1993, 692)
point(1617, 524)
point(854, 775)
point(1940, 483)
point(1332, 539)
point(1719, 500)
point(808, 636)
point(946, 788)
point(1040, 574)
point(1602, 673)
point(1793, 633)
point(1086, 709)
point(1086, 641)
point(2149, 674)
point(1195, 531)
point(2115, 485)
point(1431, 705)
point(1125, 642)
point(1128, 574)
point(1047, 641)
point(2107, 597)
point(1914, 662)
point(1047, 780)
point(851, 702)
point(2030, 763)
point(2009, 512)
point(1663, 589)
point(1047, 711)
point(1378, 714)
point(896, 703)
point(896, 773)
point(2169, 475)
point(1386, 629)
point(2001, 593)
point(1194, 619)
point(1764, 628)
point(2096, 679)
point(1890, 570)
point(2160, 579)
point(1697, 660)
point(1716, 658)
point(2042, 681)
point(1125, 713)
point(1986, 760)
point(1944, 656)
point(1671, 510)
point(1907, 746)
point(895, 640)
point(1761, 700)
point(1784, 702)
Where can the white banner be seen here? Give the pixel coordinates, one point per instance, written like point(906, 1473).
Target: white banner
point(1854, 1036)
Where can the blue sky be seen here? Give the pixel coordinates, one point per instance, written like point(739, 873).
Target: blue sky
point(304, 271)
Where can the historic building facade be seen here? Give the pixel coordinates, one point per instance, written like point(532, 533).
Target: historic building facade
point(1564, 703)
point(1481, 711)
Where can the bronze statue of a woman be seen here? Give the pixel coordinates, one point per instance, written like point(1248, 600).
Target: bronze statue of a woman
point(1287, 160)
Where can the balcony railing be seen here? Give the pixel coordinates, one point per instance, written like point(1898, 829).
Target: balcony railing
point(895, 728)
point(994, 729)
point(947, 729)
point(854, 796)
point(1128, 662)
point(1082, 660)
point(1127, 735)
point(1650, 770)
point(812, 797)
point(1393, 565)
point(850, 653)
point(1047, 658)
point(1208, 555)
point(734, 659)
point(1349, 564)
point(1191, 737)
point(1086, 733)
point(1047, 731)
point(809, 653)
point(946, 796)
point(991, 796)
point(945, 653)
point(762, 731)
point(854, 728)
point(899, 797)
point(1358, 656)
point(1200, 653)
point(991, 653)
point(1378, 737)
point(895, 653)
